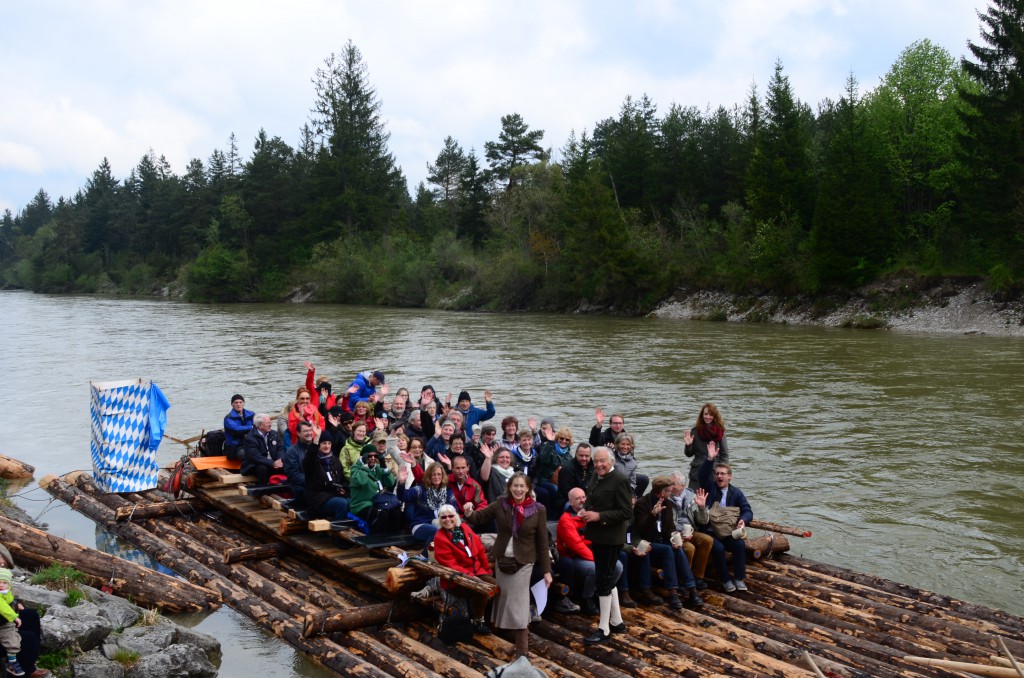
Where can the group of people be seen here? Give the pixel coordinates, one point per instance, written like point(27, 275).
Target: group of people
point(466, 488)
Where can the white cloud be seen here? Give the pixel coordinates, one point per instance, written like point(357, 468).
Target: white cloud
point(83, 81)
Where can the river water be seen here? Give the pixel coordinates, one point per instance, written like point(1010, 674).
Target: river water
point(902, 453)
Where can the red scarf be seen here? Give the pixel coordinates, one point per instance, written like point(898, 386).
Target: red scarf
point(709, 432)
point(520, 512)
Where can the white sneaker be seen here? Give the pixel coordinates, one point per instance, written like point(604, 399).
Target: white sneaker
point(730, 587)
point(740, 585)
point(423, 593)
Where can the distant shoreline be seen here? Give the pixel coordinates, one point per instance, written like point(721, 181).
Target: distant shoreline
point(946, 306)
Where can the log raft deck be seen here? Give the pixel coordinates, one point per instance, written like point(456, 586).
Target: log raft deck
point(349, 609)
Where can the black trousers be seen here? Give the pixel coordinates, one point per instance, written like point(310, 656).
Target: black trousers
point(605, 557)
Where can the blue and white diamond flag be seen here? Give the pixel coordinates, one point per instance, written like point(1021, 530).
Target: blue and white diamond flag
point(128, 421)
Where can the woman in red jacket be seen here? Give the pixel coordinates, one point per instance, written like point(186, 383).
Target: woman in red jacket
point(457, 546)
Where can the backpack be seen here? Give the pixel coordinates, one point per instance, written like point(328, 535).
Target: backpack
point(385, 514)
point(212, 444)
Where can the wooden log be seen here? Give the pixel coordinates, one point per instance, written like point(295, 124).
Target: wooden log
point(237, 554)
point(151, 510)
point(965, 667)
point(377, 653)
point(288, 526)
point(926, 616)
point(684, 636)
point(761, 652)
point(861, 623)
point(416, 644)
point(402, 579)
point(825, 643)
point(1011, 624)
point(145, 586)
point(326, 652)
point(610, 654)
point(764, 546)
point(351, 618)
point(15, 469)
point(781, 529)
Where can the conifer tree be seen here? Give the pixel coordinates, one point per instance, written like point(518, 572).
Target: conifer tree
point(994, 139)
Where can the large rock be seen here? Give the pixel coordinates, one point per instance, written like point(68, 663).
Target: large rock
point(119, 612)
point(146, 640)
point(81, 626)
point(177, 661)
point(93, 664)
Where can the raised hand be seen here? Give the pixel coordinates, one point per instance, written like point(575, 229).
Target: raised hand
point(309, 366)
point(688, 437)
point(700, 498)
point(658, 507)
point(381, 423)
point(352, 389)
point(407, 458)
point(443, 458)
point(599, 416)
point(712, 450)
point(532, 423)
point(487, 450)
point(385, 389)
point(487, 395)
point(403, 475)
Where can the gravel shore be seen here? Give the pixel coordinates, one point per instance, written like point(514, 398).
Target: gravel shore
point(900, 305)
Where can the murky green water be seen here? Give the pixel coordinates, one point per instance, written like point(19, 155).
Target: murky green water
point(902, 453)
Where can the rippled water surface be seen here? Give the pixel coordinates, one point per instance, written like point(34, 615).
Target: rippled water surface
point(902, 453)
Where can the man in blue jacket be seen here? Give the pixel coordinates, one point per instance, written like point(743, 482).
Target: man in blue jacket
point(236, 425)
point(474, 415)
point(366, 384)
point(715, 482)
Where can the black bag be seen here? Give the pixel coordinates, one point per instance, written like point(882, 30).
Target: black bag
point(455, 628)
point(212, 444)
point(385, 514)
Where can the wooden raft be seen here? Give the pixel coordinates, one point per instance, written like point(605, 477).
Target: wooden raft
point(852, 625)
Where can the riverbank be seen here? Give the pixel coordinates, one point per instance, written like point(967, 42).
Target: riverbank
point(903, 304)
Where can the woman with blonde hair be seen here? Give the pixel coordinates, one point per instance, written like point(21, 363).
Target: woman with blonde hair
point(545, 469)
point(304, 409)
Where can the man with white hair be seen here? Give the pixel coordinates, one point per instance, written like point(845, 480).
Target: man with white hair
point(607, 512)
point(262, 452)
point(688, 515)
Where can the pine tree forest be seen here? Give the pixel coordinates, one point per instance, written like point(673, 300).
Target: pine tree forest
point(924, 173)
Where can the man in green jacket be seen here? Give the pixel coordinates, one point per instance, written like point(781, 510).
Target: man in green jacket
point(607, 513)
point(368, 478)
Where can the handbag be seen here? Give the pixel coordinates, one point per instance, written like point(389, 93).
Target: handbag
point(508, 565)
point(724, 520)
point(455, 626)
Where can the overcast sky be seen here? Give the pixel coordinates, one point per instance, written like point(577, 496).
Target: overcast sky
point(81, 80)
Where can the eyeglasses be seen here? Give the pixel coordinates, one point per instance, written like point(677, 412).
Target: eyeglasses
point(721, 474)
point(564, 439)
point(447, 517)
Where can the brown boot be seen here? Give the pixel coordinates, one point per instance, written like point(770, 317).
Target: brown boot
point(647, 597)
point(522, 642)
point(626, 601)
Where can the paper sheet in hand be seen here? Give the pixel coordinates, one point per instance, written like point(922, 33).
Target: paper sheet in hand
point(540, 595)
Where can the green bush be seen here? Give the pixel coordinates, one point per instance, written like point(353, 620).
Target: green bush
point(219, 274)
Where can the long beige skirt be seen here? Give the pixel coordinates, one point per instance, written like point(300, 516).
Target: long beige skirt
point(512, 611)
